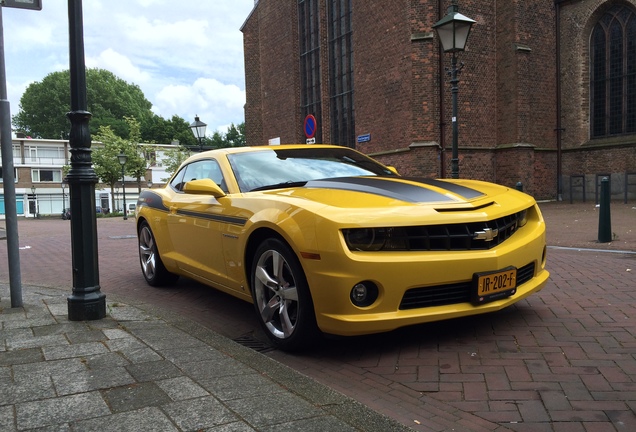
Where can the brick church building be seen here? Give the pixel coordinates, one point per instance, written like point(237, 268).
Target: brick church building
point(546, 95)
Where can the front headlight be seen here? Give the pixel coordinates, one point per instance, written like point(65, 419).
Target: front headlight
point(376, 239)
point(365, 239)
point(522, 218)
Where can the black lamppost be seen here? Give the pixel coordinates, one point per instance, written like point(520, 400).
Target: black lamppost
point(198, 129)
point(87, 301)
point(453, 31)
point(122, 161)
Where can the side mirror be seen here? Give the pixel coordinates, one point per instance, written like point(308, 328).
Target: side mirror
point(203, 187)
point(393, 170)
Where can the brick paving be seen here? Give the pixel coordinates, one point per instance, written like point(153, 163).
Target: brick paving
point(561, 360)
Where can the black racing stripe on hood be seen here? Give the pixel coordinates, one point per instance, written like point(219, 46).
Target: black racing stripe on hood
point(381, 186)
point(460, 190)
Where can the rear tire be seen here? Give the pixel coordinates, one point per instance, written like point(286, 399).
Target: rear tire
point(281, 296)
point(152, 267)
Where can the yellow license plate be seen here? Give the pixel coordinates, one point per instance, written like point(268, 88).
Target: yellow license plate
point(494, 285)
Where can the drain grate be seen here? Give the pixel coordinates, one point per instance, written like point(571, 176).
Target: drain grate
point(248, 341)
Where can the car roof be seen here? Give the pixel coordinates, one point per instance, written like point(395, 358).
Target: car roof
point(233, 150)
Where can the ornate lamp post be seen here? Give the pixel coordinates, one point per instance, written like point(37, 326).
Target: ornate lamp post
point(453, 31)
point(87, 301)
point(198, 129)
point(122, 161)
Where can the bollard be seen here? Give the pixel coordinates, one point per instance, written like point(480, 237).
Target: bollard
point(519, 186)
point(604, 220)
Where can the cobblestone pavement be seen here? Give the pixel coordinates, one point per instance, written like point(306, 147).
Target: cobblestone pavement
point(562, 360)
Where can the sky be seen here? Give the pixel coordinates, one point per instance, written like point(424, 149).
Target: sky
point(185, 55)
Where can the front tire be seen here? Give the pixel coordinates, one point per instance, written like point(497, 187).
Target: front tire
point(281, 296)
point(152, 267)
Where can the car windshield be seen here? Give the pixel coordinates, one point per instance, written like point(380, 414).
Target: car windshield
point(273, 168)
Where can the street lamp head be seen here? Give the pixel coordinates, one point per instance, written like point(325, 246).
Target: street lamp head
point(198, 128)
point(122, 158)
point(149, 184)
point(453, 29)
point(33, 189)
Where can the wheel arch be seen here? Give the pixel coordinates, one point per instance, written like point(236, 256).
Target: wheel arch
point(257, 237)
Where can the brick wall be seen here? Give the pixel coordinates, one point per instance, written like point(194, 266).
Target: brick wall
point(382, 68)
point(272, 72)
point(581, 155)
point(507, 113)
point(253, 101)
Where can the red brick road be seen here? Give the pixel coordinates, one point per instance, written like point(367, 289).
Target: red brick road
point(562, 360)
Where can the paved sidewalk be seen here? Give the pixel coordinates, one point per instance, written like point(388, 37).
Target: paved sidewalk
point(145, 370)
point(576, 225)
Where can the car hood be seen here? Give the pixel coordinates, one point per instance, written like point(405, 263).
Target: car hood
point(352, 198)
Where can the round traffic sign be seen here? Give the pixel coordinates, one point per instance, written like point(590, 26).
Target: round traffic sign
point(310, 126)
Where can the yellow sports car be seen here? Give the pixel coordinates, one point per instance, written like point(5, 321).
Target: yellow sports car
point(325, 239)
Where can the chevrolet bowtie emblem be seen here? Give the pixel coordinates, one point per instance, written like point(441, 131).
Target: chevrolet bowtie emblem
point(486, 235)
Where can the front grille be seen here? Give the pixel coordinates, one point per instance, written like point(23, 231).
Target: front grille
point(442, 295)
point(458, 237)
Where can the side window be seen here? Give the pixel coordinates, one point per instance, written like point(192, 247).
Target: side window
point(198, 170)
point(212, 170)
point(177, 181)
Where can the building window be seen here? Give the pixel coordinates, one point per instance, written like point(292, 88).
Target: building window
point(43, 155)
point(309, 44)
point(46, 175)
point(613, 73)
point(15, 175)
point(341, 72)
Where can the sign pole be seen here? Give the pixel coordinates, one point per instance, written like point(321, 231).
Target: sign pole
point(8, 186)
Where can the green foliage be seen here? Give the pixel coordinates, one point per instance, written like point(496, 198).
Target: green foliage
point(110, 100)
point(173, 158)
point(235, 136)
point(113, 103)
point(159, 130)
point(105, 158)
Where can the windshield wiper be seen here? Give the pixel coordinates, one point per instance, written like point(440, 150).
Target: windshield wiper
point(281, 185)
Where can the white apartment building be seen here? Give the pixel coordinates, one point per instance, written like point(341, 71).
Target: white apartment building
point(40, 189)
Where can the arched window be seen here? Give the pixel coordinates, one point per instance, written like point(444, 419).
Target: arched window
point(613, 73)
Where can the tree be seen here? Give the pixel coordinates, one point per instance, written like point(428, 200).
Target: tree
point(235, 136)
point(44, 105)
point(173, 158)
point(137, 162)
point(105, 160)
point(159, 130)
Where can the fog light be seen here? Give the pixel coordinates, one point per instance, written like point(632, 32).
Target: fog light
point(364, 294)
point(359, 293)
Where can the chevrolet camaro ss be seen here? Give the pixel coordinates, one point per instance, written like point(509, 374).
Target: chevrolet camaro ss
point(323, 239)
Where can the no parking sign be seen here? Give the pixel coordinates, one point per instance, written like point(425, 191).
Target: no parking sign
point(310, 126)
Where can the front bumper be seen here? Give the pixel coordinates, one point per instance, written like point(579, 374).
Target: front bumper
point(333, 276)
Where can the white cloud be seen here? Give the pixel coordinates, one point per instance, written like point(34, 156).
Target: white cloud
point(120, 65)
point(186, 56)
point(215, 103)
